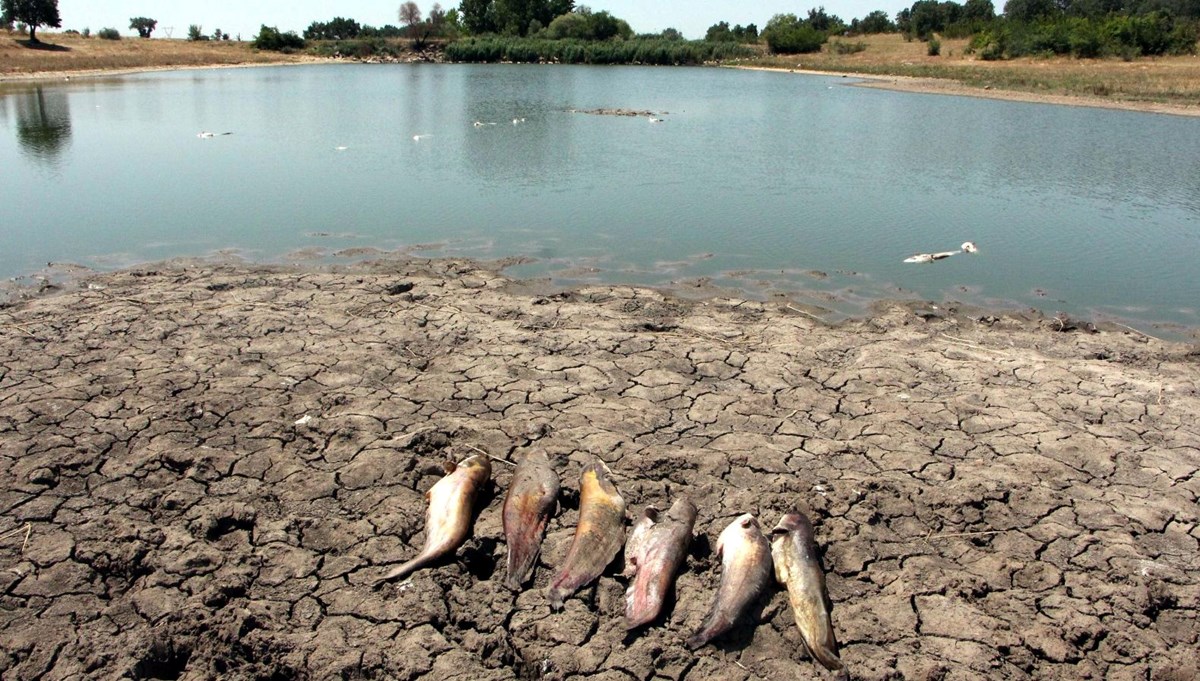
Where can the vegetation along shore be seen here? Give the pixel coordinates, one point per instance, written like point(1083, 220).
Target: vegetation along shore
point(1138, 55)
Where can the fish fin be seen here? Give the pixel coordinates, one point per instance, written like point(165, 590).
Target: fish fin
point(449, 467)
point(651, 512)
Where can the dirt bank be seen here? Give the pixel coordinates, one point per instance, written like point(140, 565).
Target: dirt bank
point(202, 471)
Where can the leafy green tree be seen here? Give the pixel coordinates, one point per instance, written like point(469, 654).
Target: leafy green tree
point(478, 16)
point(32, 13)
point(978, 11)
point(745, 34)
point(337, 28)
point(143, 25)
point(824, 22)
point(719, 33)
point(196, 33)
point(876, 22)
point(269, 38)
point(787, 34)
point(1027, 11)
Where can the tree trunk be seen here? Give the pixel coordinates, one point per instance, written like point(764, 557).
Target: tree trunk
point(32, 35)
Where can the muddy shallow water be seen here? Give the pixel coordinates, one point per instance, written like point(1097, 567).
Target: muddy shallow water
point(204, 469)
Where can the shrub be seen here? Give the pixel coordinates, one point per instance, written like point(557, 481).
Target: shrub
point(269, 38)
point(108, 34)
point(196, 33)
point(934, 47)
point(842, 47)
point(87, 33)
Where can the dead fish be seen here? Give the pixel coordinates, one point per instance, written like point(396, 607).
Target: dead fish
point(745, 572)
point(528, 505)
point(598, 536)
point(798, 568)
point(450, 515)
point(653, 556)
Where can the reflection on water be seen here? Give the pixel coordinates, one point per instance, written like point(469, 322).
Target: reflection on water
point(43, 124)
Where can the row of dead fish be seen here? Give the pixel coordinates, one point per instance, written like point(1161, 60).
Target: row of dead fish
point(655, 552)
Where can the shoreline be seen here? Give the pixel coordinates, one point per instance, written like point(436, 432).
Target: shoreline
point(948, 87)
point(105, 73)
point(63, 278)
point(204, 471)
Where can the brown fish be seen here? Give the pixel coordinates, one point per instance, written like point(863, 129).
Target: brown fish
point(798, 568)
point(529, 504)
point(745, 572)
point(450, 515)
point(653, 556)
point(598, 536)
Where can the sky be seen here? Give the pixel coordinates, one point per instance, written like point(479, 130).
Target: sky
point(692, 17)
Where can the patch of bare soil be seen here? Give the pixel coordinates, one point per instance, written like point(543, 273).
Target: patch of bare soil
point(203, 470)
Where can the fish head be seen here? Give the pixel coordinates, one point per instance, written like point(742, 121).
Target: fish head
point(737, 531)
point(683, 511)
point(477, 467)
point(594, 479)
point(793, 522)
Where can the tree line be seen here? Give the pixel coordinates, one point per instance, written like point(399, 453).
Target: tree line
point(1083, 28)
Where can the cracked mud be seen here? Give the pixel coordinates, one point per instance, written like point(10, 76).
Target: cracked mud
point(203, 469)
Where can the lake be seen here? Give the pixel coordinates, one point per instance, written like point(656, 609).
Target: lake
point(770, 182)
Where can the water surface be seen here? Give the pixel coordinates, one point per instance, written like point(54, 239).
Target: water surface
point(777, 182)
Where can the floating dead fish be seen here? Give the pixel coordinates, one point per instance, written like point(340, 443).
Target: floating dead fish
point(598, 536)
point(653, 556)
point(967, 247)
point(531, 499)
point(745, 571)
point(798, 569)
point(451, 513)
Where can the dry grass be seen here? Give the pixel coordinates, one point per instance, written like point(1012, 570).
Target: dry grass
point(1167, 80)
point(71, 54)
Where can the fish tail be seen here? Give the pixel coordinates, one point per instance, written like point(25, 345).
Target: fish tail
point(523, 550)
point(827, 658)
point(714, 625)
point(642, 604)
point(402, 571)
point(556, 596)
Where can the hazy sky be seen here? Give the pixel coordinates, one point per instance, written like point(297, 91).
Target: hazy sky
point(693, 17)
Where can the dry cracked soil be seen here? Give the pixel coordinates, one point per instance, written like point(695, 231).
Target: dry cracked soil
point(205, 467)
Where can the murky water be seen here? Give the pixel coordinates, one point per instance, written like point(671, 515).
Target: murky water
point(777, 182)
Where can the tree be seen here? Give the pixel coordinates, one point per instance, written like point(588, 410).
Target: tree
point(787, 34)
point(980, 11)
point(410, 14)
point(719, 33)
point(336, 29)
point(269, 38)
point(478, 16)
point(143, 25)
point(878, 22)
point(32, 13)
point(1026, 11)
point(196, 33)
